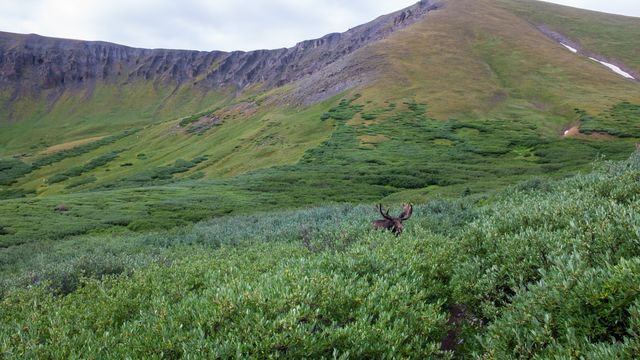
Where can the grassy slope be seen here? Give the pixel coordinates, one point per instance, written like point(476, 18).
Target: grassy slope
point(474, 59)
point(615, 37)
point(236, 147)
point(550, 269)
point(105, 109)
point(417, 158)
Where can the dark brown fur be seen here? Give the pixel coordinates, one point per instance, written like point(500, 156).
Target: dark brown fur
point(393, 224)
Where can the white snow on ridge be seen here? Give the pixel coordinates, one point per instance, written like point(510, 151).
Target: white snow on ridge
point(615, 69)
point(573, 50)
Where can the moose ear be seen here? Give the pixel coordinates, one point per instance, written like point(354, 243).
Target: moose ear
point(407, 210)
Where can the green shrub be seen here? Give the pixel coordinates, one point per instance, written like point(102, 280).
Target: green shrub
point(245, 303)
point(540, 270)
point(79, 170)
point(57, 178)
point(14, 193)
point(343, 111)
point(621, 120)
point(11, 170)
point(577, 311)
point(158, 175)
point(80, 150)
point(141, 225)
point(80, 182)
point(535, 184)
point(186, 121)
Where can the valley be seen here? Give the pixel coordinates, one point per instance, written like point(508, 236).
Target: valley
point(220, 202)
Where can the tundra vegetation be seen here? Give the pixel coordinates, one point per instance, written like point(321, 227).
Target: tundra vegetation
point(151, 217)
point(120, 183)
point(541, 269)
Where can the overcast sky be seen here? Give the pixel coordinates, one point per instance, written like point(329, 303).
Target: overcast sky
point(213, 24)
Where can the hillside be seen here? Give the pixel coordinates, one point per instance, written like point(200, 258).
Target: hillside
point(55, 85)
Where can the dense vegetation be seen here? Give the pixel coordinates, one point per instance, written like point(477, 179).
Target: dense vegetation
point(158, 175)
point(376, 151)
point(620, 120)
point(79, 150)
point(229, 232)
point(543, 269)
point(79, 170)
point(11, 170)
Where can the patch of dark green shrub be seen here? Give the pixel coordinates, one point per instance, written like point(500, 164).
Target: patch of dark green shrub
point(622, 120)
point(14, 193)
point(79, 170)
point(57, 178)
point(186, 121)
point(11, 170)
point(80, 182)
point(343, 111)
point(80, 150)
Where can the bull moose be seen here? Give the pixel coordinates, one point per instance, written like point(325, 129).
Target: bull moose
point(393, 224)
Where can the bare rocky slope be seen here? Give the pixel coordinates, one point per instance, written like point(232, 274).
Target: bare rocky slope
point(32, 63)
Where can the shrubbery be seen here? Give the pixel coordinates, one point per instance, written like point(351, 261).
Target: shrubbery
point(80, 182)
point(79, 170)
point(158, 175)
point(11, 170)
point(622, 120)
point(186, 121)
point(543, 270)
point(344, 111)
point(80, 150)
point(14, 193)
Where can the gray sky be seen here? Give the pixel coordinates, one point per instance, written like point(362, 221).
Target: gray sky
point(213, 24)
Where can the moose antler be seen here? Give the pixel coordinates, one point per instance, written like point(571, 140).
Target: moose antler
point(407, 210)
point(391, 223)
point(384, 215)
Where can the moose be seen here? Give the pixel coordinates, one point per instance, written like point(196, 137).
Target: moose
point(393, 224)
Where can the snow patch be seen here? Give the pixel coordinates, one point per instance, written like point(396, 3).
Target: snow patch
point(573, 50)
point(614, 68)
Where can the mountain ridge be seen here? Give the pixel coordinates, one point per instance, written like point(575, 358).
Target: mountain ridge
point(31, 63)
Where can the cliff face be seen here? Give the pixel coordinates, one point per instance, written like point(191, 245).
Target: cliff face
point(32, 60)
point(31, 63)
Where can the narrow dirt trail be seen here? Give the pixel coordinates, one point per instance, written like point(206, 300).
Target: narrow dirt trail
point(451, 341)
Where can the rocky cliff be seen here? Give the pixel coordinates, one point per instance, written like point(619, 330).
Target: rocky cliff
point(32, 63)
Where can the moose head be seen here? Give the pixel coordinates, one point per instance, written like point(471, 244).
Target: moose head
point(391, 223)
